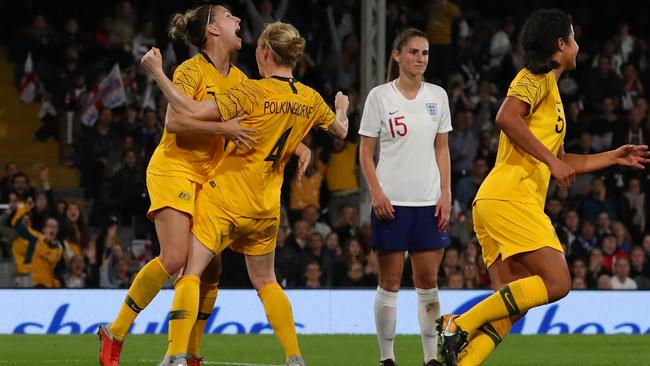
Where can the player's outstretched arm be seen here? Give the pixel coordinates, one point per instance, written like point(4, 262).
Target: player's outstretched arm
point(633, 156)
point(181, 124)
point(510, 120)
point(340, 127)
point(205, 110)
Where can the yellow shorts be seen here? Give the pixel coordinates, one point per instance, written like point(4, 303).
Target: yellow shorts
point(176, 192)
point(217, 228)
point(507, 228)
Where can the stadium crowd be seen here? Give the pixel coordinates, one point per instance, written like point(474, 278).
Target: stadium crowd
point(324, 240)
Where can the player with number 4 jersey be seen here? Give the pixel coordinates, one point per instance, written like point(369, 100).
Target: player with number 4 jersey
point(241, 208)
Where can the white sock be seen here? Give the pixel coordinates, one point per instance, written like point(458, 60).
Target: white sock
point(428, 312)
point(385, 321)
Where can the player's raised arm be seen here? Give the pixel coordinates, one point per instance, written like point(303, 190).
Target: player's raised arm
point(510, 120)
point(205, 110)
point(340, 127)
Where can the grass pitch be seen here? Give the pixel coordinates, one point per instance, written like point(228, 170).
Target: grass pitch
point(337, 350)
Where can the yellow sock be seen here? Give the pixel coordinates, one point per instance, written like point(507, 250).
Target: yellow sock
point(145, 287)
point(278, 312)
point(483, 341)
point(515, 298)
point(183, 314)
point(207, 298)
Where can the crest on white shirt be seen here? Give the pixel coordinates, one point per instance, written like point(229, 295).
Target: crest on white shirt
point(432, 109)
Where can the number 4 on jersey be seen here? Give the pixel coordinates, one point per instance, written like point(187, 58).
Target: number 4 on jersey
point(276, 151)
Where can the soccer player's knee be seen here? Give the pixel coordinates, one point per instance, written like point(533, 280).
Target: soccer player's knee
point(558, 289)
point(260, 281)
point(172, 263)
point(426, 282)
point(391, 285)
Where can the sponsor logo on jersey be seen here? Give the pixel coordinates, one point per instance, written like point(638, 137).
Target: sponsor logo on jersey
point(185, 196)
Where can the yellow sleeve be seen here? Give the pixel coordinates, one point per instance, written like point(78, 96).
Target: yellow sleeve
point(238, 100)
point(530, 88)
point(325, 117)
point(187, 78)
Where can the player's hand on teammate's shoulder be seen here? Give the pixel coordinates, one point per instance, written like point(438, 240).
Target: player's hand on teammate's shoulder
point(562, 172)
point(238, 134)
point(152, 60)
point(632, 155)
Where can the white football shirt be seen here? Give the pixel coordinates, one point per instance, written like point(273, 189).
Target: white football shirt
point(406, 129)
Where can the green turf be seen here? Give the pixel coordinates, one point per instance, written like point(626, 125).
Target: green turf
point(326, 350)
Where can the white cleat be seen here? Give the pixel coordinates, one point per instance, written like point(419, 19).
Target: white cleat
point(295, 361)
point(174, 360)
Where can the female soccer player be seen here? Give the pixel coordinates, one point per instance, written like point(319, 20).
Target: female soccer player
point(240, 208)
point(410, 188)
point(180, 164)
point(519, 243)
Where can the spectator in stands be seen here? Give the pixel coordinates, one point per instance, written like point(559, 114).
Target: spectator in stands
point(622, 235)
point(463, 145)
point(341, 177)
point(604, 282)
point(597, 202)
point(610, 251)
point(299, 236)
point(621, 279)
point(21, 187)
point(128, 190)
point(143, 41)
point(583, 245)
point(596, 268)
point(468, 186)
point(450, 263)
point(605, 124)
point(75, 276)
point(112, 271)
point(578, 284)
point(287, 262)
point(455, 280)
point(639, 268)
point(75, 232)
point(348, 227)
point(570, 228)
point(312, 275)
point(43, 202)
point(311, 215)
point(98, 144)
point(305, 191)
point(355, 276)
point(442, 14)
point(579, 270)
point(263, 14)
point(151, 133)
point(554, 210)
point(636, 200)
point(634, 131)
point(6, 186)
point(603, 82)
point(470, 276)
point(603, 225)
point(315, 252)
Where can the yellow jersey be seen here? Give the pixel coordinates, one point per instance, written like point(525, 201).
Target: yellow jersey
point(282, 111)
point(194, 156)
point(518, 176)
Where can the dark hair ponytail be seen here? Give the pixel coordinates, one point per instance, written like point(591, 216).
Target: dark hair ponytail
point(539, 38)
point(190, 27)
point(400, 41)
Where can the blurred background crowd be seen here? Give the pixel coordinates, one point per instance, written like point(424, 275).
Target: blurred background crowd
point(98, 235)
